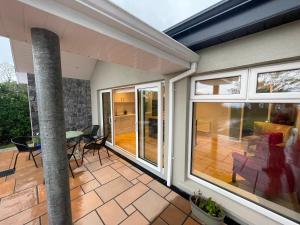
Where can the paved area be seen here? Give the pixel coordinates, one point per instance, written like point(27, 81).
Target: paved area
point(114, 193)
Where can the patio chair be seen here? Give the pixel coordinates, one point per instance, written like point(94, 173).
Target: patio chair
point(95, 147)
point(90, 134)
point(22, 145)
point(70, 154)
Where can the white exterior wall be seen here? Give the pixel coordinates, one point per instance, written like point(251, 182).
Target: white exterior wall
point(108, 75)
point(275, 45)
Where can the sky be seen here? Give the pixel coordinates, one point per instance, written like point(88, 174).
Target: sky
point(5, 51)
point(162, 14)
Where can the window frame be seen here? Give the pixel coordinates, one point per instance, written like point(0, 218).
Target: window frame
point(243, 85)
point(243, 97)
point(253, 75)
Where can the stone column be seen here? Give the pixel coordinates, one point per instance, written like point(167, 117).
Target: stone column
point(47, 69)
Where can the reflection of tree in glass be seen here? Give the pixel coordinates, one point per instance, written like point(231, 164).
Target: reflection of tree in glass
point(280, 81)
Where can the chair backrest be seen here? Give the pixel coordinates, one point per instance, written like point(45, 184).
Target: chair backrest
point(95, 145)
point(21, 143)
point(91, 130)
point(95, 129)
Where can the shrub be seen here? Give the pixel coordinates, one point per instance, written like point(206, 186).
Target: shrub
point(14, 111)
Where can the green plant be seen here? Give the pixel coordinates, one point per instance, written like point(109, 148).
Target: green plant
point(207, 205)
point(14, 111)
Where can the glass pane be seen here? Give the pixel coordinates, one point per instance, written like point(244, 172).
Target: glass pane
point(279, 81)
point(148, 121)
point(106, 106)
point(250, 146)
point(220, 86)
point(124, 119)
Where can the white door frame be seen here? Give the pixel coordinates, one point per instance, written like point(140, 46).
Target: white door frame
point(157, 85)
point(111, 115)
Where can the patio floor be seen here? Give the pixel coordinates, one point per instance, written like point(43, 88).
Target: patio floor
point(114, 193)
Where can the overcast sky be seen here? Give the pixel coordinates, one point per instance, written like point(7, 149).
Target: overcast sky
point(163, 14)
point(160, 14)
point(5, 52)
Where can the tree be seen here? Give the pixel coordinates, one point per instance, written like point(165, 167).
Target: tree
point(14, 107)
point(7, 73)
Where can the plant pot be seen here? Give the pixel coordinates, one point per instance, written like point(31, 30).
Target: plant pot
point(204, 216)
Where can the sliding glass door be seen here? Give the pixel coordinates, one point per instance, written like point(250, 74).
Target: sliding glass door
point(149, 123)
point(106, 115)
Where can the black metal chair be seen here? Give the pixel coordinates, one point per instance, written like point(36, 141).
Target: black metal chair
point(22, 145)
point(90, 134)
point(70, 153)
point(95, 147)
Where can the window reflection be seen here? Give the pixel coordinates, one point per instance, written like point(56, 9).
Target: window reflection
point(279, 81)
point(220, 86)
point(252, 146)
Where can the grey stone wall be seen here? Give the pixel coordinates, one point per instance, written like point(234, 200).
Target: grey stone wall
point(77, 103)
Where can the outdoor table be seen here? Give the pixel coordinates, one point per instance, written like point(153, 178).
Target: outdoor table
point(73, 134)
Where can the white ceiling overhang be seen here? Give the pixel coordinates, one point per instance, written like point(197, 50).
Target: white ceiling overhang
point(91, 30)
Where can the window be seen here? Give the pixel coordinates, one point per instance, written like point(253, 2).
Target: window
point(275, 82)
point(221, 86)
point(246, 146)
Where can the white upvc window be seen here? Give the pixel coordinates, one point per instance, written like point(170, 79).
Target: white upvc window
point(227, 85)
point(281, 81)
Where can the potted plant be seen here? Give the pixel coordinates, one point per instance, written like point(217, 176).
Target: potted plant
point(207, 210)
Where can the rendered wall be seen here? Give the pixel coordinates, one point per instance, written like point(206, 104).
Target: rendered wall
point(276, 45)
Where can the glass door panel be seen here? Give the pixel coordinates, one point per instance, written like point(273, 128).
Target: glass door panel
point(106, 115)
point(149, 126)
point(124, 119)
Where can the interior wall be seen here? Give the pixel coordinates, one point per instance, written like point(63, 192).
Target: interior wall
point(275, 45)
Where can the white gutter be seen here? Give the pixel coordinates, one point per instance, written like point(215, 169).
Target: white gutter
point(185, 74)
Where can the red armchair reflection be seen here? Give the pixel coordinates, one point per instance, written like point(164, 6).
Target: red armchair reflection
point(273, 169)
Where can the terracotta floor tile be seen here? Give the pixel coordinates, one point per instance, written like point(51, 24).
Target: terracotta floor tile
point(44, 219)
point(179, 202)
point(90, 219)
point(130, 209)
point(34, 222)
point(145, 178)
point(158, 221)
point(111, 213)
point(91, 185)
point(113, 188)
point(74, 193)
point(117, 165)
point(137, 170)
point(17, 202)
point(29, 181)
point(80, 179)
point(7, 188)
point(135, 218)
point(173, 216)
point(150, 205)
point(135, 181)
point(106, 174)
point(131, 194)
point(85, 204)
point(26, 216)
point(96, 164)
point(128, 173)
point(190, 221)
point(125, 162)
point(159, 188)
